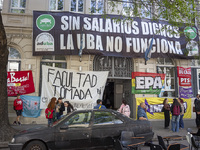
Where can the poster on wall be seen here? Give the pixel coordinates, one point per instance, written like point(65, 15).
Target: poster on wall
point(61, 33)
point(31, 106)
point(185, 92)
point(184, 75)
point(82, 89)
point(20, 82)
point(147, 83)
point(154, 106)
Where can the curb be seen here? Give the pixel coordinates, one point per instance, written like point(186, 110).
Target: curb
point(4, 145)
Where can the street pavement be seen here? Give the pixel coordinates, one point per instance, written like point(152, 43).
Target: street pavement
point(157, 127)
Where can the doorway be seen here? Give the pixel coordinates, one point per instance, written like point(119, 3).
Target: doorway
point(115, 91)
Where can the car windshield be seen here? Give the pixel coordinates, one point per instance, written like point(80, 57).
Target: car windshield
point(60, 120)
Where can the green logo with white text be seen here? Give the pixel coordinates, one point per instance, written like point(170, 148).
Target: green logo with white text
point(190, 32)
point(45, 22)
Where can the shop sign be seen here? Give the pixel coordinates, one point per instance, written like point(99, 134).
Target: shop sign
point(185, 92)
point(20, 82)
point(66, 32)
point(184, 75)
point(147, 83)
point(82, 89)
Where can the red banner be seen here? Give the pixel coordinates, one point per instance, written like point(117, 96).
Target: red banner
point(20, 82)
point(184, 75)
point(184, 72)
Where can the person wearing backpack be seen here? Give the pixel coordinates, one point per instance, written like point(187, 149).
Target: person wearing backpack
point(124, 108)
point(175, 110)
point(50, 110)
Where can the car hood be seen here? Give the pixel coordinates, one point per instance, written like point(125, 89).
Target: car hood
point(37, 129)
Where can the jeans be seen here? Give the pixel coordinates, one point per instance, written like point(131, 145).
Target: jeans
point(181, 123)
point(50, 121)
point(175, 123)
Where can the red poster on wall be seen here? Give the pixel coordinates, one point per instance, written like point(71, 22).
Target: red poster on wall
point(184, 75)
point(20, 82)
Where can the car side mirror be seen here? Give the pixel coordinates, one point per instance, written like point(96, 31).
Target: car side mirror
point(64, 127)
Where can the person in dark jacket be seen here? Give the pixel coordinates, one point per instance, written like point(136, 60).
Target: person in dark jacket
point(166, 110)
point(197, 110)
point(69, 107)
point(175, 115)
point(59, 108)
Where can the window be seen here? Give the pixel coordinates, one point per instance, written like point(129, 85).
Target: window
point(18, 6)
point(97, 6)
point(77, 5)
point(56, 5)
point(1, 4)
point(102, 118)
point(128, 7)
point(14, 60)
point(53, 61)
point(117, 66)
point(167, 67)
point(80, 120)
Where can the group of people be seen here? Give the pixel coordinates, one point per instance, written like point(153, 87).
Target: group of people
point(124, 108)
point(177, 110)
point(56, 109)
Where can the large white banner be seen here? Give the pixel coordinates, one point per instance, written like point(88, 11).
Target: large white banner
point(82, 89)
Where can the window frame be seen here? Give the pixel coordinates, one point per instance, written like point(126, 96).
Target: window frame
point(54, 61)
point(165, 66)
point(76, 6)
point(17, 60)
point(56, 6)
point(96, 7)
point(18, 8)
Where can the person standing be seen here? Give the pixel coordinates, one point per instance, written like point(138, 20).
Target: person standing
point(166, 110)
point(181, 123)
point(197, 110)
point(141, 113)
point(50, 110)
point(59, 108)
point(175, 110)
point(99, 105)
point(124, 108)
point(18, 107)
point(68, 107)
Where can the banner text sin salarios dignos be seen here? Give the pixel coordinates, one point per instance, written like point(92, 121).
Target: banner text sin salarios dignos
point(107, 36)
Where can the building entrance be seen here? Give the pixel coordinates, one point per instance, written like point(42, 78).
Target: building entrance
point(115, 91)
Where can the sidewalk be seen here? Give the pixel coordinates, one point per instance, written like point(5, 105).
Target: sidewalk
point(157, 126)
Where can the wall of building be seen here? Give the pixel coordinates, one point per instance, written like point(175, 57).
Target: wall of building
point(19, 35)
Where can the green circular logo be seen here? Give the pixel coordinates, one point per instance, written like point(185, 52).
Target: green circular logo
point(190, 32)
point(45, 22)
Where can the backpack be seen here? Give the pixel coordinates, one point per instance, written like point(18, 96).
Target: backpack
point(176, 110)
point(49, 113)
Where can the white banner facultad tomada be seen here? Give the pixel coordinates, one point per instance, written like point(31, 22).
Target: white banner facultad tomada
point(82, 89)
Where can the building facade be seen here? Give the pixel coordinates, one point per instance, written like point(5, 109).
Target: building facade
point(18, 22)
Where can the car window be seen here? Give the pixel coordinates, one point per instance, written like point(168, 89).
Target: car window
point(81, 120)
point(101, 118)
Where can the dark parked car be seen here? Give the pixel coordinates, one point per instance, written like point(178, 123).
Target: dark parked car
point(81, 129)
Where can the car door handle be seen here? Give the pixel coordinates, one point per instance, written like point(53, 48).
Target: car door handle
point(86, 134)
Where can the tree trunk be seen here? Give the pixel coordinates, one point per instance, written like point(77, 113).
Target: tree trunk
point(6, 131)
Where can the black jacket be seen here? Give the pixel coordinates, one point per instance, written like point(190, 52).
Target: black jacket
point(61, 109)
